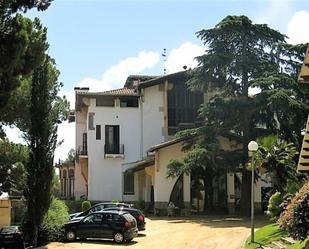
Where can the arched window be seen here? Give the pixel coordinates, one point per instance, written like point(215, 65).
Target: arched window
point(64, 174)
point(64, 193)
point(71, 184)
point(177, 193)
point(71, 173)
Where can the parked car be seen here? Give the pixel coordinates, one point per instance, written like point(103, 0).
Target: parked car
point(136, 213)
point(96, 208)
point(117, 225)
point(11, 237)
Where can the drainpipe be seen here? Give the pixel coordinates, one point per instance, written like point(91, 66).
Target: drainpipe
point(142, 123)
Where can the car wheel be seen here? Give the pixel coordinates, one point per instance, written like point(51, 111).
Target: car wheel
point(118, 237)
point(71, 236)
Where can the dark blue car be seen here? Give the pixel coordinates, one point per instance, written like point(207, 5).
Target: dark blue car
point(117, 225)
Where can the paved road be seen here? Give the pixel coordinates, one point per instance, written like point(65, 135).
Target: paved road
point(189, 233)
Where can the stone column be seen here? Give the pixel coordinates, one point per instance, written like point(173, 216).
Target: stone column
point(230, 182)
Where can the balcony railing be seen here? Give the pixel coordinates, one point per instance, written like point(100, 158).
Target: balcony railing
point(82, 151)
point(115, 150)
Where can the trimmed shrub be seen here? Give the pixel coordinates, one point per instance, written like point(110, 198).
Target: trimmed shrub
point(52, 226)
point(74, 205)
point(274, 206)
point(86, 205)
point(141, 205)
point(295, 218)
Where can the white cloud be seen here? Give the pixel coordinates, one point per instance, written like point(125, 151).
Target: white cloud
point(116, 75)
point(183, 56)
point(13, 134)
point(66, 133)
point(298, 28)
point(272, 13)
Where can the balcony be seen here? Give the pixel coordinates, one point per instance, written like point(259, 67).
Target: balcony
point(114, 151)
point(82, 152)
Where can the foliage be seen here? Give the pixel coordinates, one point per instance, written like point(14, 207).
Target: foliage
point(51, 228)
point(12, 6)
point(300, 245)
point(44, 116)
point(13, 157)
point(74, 205)
point(141, 205)
point(277, 158)
point(274, 206)
point(23, 46)
point(295, 218)
point(55, 186)
point(241, 55)
point(293, 187)
point(86, 205)
point(70, 157)
point(265, 235)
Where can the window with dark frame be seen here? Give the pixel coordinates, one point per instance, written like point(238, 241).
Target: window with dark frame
point(112, 139)
point(128, 183)
point(183, 106)
point(98, 132)
point(128, 102)
point(90, 120)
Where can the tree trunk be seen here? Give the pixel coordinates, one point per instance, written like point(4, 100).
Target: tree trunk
point(246, 176)
point(245, 193)
point(205, 196)
point(208, 201)
point(35, 235)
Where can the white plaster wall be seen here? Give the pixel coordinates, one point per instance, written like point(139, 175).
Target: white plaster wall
point(153, 117)
point(230, 187)
point(81, 126)
point(163, 186)
point(80, 123)
point(258, 191)
point(105, 174)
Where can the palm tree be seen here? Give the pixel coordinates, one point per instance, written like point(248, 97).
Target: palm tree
point(276, 157)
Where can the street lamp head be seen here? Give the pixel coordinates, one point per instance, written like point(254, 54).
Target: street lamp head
point(253, 146)
point(303, 132)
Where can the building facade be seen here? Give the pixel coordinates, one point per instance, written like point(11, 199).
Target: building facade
point(125, 140)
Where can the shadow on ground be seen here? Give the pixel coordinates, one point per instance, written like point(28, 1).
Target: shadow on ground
point(217, 221)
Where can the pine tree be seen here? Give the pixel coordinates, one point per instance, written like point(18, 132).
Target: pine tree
point(241, 55)
point(45, 114)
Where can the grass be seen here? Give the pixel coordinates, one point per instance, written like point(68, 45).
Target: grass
point(298, 244)
point(265, 235)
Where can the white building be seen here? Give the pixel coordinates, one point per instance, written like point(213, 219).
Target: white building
point(124, 141)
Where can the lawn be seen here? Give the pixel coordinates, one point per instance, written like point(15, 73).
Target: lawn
point(298, 245)
point(269, 233)
point(265, 235)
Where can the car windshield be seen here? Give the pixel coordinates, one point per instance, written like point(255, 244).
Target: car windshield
point(9, 230)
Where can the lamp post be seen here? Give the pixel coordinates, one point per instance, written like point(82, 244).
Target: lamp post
point(252, 147)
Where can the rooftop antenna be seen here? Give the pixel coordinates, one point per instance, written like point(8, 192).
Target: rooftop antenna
point(164, 60)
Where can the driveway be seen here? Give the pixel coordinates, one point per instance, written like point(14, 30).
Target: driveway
point(198, 232)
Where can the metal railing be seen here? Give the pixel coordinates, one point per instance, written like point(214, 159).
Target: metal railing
point(115, 149)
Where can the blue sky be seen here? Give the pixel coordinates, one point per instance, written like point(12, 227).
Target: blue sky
point(98, 43)
point(88, 36)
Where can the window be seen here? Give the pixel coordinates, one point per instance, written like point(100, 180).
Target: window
point(183, 106)
point(128, 183)
point(98, 132)
point(90, 121)
point(94, 218)
point(112, 139)
point(105, 101)
point(128, 102)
